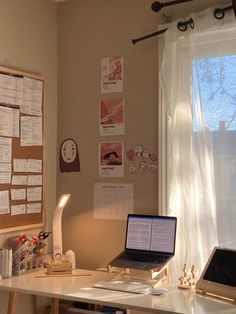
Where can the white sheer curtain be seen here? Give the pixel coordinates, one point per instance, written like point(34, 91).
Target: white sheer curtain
point(188, 72)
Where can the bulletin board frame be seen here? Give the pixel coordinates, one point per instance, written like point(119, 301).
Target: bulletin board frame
point(26, 152)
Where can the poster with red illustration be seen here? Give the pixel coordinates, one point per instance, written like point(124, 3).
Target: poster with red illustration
point(111, 159)
point(112, 117)
point(112, 75)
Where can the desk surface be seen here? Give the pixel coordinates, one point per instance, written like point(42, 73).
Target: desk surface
point(80, 288)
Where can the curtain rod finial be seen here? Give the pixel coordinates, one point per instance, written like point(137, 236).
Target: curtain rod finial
point(157, 6)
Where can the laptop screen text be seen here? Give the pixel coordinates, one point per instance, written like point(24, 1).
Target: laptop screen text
point(151, 233)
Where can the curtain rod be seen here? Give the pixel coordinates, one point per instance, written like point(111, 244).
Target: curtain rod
point(134, 41)
point(157, 6)
point(220, 13)
point(182, 26)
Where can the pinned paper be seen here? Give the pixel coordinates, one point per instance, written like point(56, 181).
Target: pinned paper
point(4, 202)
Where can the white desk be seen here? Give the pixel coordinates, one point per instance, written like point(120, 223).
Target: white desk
point(80, 288)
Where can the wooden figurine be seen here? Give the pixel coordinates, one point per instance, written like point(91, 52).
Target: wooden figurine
point(188, 279)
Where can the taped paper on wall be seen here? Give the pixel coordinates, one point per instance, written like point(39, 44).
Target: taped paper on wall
point(113, 201)
point(112, 117)
point(112, 75)
point(111, 159)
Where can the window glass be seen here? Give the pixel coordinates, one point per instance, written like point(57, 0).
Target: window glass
point(214, 79)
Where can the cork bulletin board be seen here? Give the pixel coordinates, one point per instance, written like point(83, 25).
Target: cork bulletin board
point(21, 150)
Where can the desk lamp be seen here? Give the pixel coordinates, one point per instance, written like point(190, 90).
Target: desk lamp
point(57, 234)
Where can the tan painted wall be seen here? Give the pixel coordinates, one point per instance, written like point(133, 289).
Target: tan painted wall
point(28, 32)
point(88, 31)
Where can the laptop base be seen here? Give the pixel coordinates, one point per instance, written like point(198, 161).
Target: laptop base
point(153, 277)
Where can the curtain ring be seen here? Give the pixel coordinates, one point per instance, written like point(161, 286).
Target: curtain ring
point(182, 26)
point(219, 14)
point(191, 24)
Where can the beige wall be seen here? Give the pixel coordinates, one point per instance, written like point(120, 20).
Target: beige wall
point(28, 32)
point(89, 30)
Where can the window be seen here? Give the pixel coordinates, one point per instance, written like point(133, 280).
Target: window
point(197, 136)
point(217, 82)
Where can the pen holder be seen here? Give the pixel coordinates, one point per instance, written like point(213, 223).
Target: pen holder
point(27, 252)
point(27, 264)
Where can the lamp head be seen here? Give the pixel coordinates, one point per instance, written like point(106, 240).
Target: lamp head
point(63, 200)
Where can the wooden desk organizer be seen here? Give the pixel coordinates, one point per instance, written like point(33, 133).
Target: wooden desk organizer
point(59, 268)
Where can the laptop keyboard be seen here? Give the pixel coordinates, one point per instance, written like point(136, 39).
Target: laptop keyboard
point(131, 287)
point(146, 258)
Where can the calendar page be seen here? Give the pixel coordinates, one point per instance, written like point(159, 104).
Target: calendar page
point(113, 201)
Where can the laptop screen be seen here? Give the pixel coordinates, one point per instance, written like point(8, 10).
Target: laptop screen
point(221, 268)
point(151, 233)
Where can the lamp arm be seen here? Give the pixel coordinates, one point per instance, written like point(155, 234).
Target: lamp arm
point(57, 226)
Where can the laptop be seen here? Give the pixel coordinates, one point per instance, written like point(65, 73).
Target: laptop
point(218, 277)
point(149, 242)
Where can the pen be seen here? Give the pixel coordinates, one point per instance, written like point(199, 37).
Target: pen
point(50, 276)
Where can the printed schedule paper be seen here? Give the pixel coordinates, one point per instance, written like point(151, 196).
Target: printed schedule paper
point(113, 200)
point(4, 202)
point(5, 149)
point(31, 131)
point(18, 209)
point(9, 121)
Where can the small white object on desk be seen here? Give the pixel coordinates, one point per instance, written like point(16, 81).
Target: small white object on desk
point(158, 291)
point(70, 257)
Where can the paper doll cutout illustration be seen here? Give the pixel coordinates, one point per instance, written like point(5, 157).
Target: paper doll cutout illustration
point(69, 156)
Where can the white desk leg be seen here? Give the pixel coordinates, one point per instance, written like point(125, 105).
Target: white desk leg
point(54, 306)
point(12, 303)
